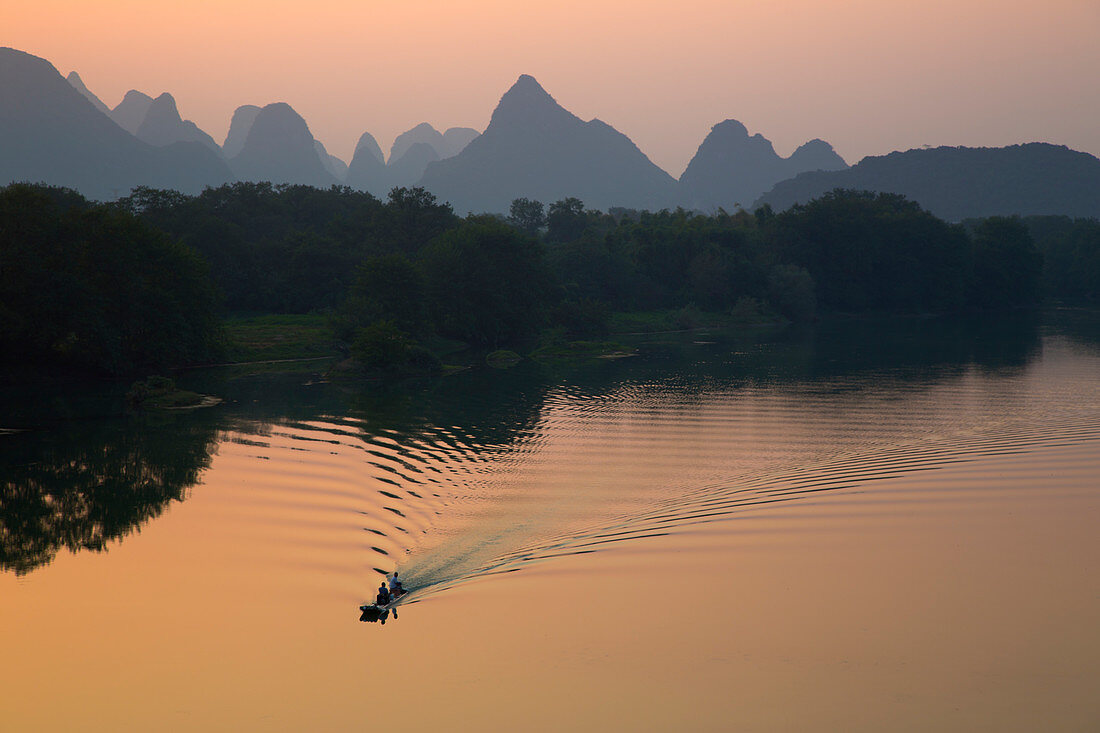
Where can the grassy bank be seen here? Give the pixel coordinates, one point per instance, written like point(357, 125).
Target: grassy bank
point(279, 337)
point(746, 313)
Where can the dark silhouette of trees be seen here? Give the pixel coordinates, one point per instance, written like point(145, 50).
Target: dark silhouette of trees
point(1007, 264)
point(98, 288)
point(487, 283)
point(527, 215)
point(868, 251)
point(1071, 256)
point(94, 482)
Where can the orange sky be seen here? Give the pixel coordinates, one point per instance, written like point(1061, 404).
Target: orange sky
point(869, 76)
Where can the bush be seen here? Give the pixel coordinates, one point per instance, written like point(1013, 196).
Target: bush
point(382, 346)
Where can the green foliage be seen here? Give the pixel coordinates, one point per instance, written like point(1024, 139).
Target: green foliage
point(1071, 256)
point(1006, 264)
point(487, 283)
point(528, 215)
point(159, 391)
point(98, 288)
point(291, 249)
point(503, 359)
point(585, 317)
point(869, 251)
point(791, 291)
point(277, 337)
point(566, 220)
point(387, 287)
point(382, 346)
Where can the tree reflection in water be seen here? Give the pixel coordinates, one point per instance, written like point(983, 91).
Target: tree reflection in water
point(88, 483)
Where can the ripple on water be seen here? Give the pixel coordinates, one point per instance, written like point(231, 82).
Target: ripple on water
point(640, 460)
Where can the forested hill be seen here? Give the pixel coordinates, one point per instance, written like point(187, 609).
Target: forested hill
point(962, 183)
point(135, 286)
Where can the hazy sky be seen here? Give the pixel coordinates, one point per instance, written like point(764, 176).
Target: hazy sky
point(869, 76)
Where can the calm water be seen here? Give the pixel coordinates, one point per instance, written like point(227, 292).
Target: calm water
point(868, 526)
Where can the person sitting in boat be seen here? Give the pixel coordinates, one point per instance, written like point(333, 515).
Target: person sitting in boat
point(383, 595)
point(396, 588)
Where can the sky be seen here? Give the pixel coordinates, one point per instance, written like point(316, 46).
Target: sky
point(868, 76)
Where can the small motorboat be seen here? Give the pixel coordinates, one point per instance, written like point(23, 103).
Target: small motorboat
point(375, 612)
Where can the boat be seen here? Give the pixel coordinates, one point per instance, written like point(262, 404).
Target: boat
point(374, 612)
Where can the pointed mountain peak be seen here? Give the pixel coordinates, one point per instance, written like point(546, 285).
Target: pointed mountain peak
point(527, 90)
point(367, 145)
point(163, 125)
point(78, 84)
point(526, 81)
point(527, 103)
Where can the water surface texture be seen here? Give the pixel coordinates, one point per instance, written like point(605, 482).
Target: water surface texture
point(864, 526)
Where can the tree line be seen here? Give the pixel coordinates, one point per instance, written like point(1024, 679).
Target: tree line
point(141, 283)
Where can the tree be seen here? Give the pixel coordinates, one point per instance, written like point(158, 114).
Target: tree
point(98, 288)
point(1007, 265)
point(527, 214)
point(487, 283)
point(875, 251)
point(387, 288)
point(566, 220)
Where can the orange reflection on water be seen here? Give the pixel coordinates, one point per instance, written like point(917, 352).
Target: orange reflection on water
point(953, 599)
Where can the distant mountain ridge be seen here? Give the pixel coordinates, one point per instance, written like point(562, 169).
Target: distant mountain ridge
point(78, 84)
point(956, 183)
point(50, 132)
point(535, 148)
point(239, 125)
point(163, 125)
point(733, 169)
point(55, 130)
point(410, 155)
point(280, 148)
point(131, 111)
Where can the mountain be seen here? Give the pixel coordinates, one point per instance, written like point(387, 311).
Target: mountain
point(130, 112)
point(731, 168)
point(51, 133)
point(78, 84)
point(367, 170)
point(243, 117)
point(163, 126)
point(422, 133)
point(455, 141)
point(816, 155)
point(407, 169)
point(332, 164)
point(960, 183)
point(279, 148)
point(535, 148)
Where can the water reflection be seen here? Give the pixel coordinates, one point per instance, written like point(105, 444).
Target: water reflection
point(85, 484)
point(420, 453)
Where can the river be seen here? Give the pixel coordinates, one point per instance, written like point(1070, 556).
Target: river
point(861, 526)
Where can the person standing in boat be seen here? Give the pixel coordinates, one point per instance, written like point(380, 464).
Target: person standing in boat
point(395, 586)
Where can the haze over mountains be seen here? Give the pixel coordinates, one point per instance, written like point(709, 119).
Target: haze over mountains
point(959, 183)
point(57, 131)
point(535, 148)
point(52, 133)
point(732, 168)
